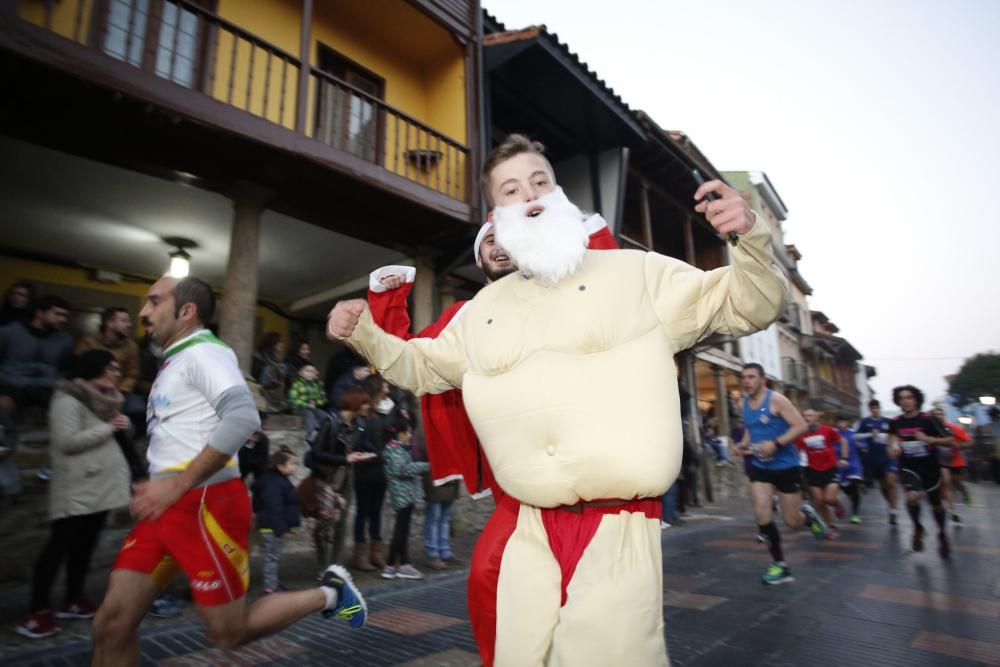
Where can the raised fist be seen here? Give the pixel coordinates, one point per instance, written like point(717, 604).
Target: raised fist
point(343, 318)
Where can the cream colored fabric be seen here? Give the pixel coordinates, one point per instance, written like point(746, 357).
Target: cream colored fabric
point(542, 368)
point(613, 612)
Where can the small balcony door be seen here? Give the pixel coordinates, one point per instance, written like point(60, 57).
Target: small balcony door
point(158, 36)
point(344, 119)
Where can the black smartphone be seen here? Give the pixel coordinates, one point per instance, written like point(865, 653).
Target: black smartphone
point(711, 196)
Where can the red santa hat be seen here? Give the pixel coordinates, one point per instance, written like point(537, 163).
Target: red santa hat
point(483, 231)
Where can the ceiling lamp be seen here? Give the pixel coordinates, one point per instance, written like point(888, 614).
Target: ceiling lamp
point(180, 260)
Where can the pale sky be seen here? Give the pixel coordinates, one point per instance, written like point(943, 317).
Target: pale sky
point(878, 124)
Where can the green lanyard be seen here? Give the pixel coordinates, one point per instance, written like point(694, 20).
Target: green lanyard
point(203, 336)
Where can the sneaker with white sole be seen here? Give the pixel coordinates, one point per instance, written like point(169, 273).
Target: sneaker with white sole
point(79, 608)
point(39, 625)
point(816, 525)
point(408, 572)
point(388, 572)
point(351, 605)
point(777, 574)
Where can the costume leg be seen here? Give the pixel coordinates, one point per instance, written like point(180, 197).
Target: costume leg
point(614, 602)
point(528, 595)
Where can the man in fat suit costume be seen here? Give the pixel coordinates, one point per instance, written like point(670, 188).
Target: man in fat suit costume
point(452, 446)
point(539, 356)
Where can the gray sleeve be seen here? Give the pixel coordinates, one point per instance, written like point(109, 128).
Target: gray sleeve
point(238, 419)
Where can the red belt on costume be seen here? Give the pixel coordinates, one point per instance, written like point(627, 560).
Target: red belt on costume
point(651, 507)
point(570, 528)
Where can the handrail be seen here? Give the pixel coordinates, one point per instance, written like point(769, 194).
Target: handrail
point(247, 72)
point(368, 97)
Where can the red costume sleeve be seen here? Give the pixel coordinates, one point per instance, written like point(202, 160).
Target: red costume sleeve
point(389, 310)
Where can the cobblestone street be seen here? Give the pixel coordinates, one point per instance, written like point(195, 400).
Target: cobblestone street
point(865, 599)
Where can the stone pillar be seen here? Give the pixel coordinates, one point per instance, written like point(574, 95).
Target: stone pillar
point(423, 294)
point(237, 311)
point(722, 402)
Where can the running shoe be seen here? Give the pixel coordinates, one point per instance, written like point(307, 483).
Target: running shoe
point(166, 606)
point(664, 525)
point(955, 517)
point(839, 510)
point(918, 538)
point(967, 497)
point(944, 548)
point(407, 571)
point(832, 533)
point(79, 608)
point(388, 572)
point(351, 605)
point(855, 519)
point(39, 625)
point(816, 525)
point(777, 574)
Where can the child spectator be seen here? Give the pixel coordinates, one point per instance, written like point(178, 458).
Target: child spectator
point(437, 514)
point(306, 395)
point(403, 477)
point(276, 505)
point(253, 455)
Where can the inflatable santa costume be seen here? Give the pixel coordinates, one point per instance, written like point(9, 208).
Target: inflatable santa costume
point(452, 445)
point(541, 365)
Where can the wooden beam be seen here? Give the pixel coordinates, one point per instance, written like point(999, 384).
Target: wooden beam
point(646, 215)
point(305, 47)
point(689, 253)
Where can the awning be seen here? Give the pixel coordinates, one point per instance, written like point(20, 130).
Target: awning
point(537, 84)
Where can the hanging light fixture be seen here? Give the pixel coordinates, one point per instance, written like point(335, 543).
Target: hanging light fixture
point(180, 260)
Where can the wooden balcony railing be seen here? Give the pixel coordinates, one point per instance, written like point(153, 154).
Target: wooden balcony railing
point(186, 45)
point(825, 390)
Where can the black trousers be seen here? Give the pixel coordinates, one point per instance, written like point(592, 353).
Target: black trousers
point(370, 495)
point(399, 552)
point(72, 539)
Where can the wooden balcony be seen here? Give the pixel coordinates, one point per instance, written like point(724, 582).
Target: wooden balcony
point(830, 397)
point(202, 69)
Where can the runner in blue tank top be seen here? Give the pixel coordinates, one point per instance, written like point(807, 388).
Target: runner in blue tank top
point(772, 425)
point(873, 433)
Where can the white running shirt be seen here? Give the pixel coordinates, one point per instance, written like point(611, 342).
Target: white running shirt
point(179, 415)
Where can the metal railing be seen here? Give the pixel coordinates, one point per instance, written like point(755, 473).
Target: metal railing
point(183, 43)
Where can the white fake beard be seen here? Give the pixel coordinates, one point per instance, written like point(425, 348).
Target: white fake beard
point(547, 247)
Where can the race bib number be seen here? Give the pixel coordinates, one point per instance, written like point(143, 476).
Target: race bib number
point(881, 438)
point(816, 442)
point(755, 451)
point(914, 448)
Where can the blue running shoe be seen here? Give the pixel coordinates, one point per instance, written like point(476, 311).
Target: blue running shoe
point(351, 605)
point(777, 574)
point(816, 525)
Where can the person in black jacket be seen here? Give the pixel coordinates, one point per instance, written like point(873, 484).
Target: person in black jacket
point(253, 456)
point(334, 447)
point(277, 508)
point(369, 477)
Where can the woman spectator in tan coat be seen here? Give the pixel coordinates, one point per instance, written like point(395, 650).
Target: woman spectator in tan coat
point(89, 478)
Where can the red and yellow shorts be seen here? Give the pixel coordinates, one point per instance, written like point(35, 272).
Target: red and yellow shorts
point(205, 534)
